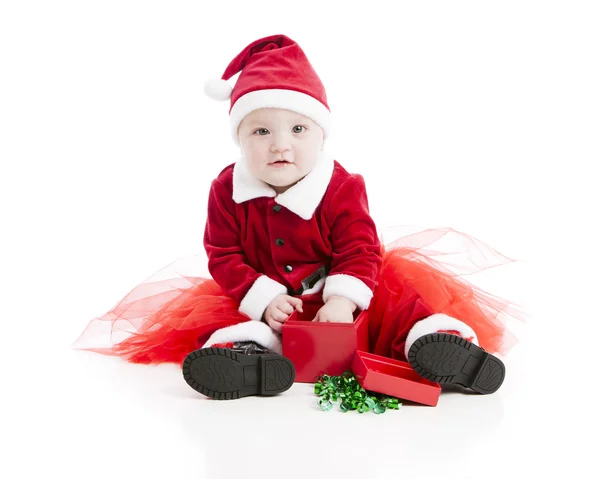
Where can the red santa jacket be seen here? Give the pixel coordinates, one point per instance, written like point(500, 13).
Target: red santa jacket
point(317, 235)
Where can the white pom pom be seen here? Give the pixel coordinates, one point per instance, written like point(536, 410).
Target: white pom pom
point(217, 89)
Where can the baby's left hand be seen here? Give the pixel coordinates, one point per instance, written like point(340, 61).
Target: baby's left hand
point(337, 310)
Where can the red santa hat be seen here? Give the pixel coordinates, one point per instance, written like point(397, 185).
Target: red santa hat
point(275, 73)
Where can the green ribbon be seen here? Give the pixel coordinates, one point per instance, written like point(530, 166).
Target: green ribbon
point(352, 396)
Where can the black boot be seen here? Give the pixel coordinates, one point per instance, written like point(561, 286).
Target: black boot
point(449, 359)
point(242, 369)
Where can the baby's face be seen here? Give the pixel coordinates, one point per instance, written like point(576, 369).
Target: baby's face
point(270, 134)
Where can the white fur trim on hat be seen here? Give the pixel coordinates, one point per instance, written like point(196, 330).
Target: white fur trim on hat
point(348, 287)
point(276, 98)
point(247, 331)
point(435, 323)
point(258, 297)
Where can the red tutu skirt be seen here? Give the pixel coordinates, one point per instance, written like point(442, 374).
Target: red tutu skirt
point(164, 319)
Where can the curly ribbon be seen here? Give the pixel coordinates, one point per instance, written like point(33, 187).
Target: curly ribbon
point(353, 397)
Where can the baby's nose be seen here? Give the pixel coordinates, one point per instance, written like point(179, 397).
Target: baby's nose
point(279, 147)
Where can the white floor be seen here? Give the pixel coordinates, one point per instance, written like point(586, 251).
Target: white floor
point(83, 415)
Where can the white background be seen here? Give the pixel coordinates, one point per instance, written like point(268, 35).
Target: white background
point(481, 116)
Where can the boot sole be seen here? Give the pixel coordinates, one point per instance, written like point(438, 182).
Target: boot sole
point(449, 359)
point(221, 373)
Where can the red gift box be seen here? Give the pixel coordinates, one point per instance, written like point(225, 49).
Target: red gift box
point(334, 348)
point(322, 348)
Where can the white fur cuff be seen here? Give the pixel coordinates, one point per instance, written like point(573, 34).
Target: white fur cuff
point(247, 331)
point(435, 323)
point(348, 287)
point(262, 292)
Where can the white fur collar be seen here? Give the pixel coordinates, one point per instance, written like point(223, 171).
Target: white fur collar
point(301, 199)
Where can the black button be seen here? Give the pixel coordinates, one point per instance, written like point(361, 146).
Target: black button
point(287, 268)
point(279, 242)
point(277, 208)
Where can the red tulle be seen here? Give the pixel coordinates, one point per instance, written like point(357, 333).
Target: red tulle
point(416, 282)
point(162, 320)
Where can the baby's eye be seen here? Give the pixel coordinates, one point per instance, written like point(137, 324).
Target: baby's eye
point(298, 126)
point(263, 130)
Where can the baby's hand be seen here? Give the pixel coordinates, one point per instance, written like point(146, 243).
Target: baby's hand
point(280, 309)
point(337, 310)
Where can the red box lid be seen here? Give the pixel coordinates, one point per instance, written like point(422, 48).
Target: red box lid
point(394, 378)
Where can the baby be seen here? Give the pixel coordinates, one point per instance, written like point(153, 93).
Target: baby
point(289, 229)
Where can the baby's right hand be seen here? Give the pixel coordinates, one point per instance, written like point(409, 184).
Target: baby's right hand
point(280, 309)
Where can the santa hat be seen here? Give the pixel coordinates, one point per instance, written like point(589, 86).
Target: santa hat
point(275, 73)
